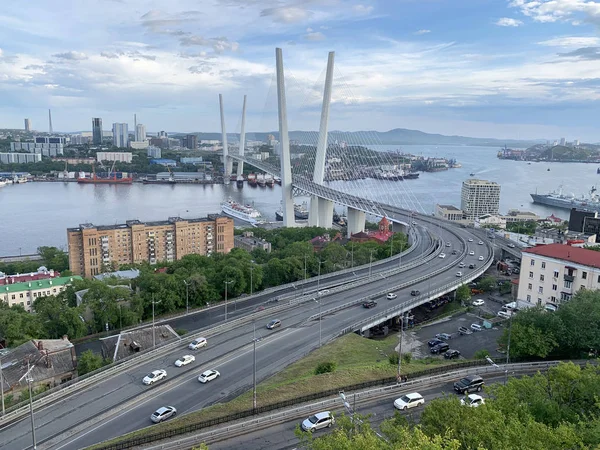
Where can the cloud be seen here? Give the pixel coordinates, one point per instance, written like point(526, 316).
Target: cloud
point(156, 21)
point(314, 36)
point(362, 10)
point(287, 14)
point(135, 55)
point(72, 55)
point(420, 32)
point(219, 44)
point(559, 10)
point(508, 22)
point(584, 53)
point(571, 41)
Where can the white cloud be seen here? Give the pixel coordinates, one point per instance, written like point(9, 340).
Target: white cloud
point(571, 41)
point(362, 9)
point(287, 14)
point(420, 32)
point(314, 36)
point(558, 10)
point(508, 22)
point(73, 56)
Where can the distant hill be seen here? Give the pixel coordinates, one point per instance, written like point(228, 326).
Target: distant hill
point(397, 136)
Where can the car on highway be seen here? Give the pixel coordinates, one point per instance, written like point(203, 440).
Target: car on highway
point(448, 244)
point(443, 336)
point(461, 265)
point(440, 348)
point(476, 327)
point(434, 342)
point(391, 296)
point(197, 343)
point(273, 324)
point(472, 253)
point(470, 383)
point(472, 266)
point(208, 375)
point(454, 252)
point(370, 304)
point(318, 421)
point(470, 239)
point(451, 354)
point(480, 258)
point(459, 274)
point(185, 360)
point(511, 246)
point(324, 292)
point(472, 400)
point(163, 413)
point(154, 376)
point(409, 401)
point(478, 302)
point(442, 255)
point(480, 243)
point(414, 223)
point(415, 292)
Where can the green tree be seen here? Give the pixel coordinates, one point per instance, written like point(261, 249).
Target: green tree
point(54, 258)
point(487, 284)
point(88, 362)
point(59, 318)
point(528, 341)
point(18, 326)
point(463, 293)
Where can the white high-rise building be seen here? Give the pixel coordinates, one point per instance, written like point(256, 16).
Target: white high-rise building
point(120, 135)
point(563, 141)
point(479, 197)
point(140, 132)
point(27, 124)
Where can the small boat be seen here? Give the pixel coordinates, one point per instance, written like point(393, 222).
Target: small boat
point(269, 180)
point(279, 216)
point(260, 179)
point(3, 183)
point(278, 180)
point(472, 174)
point(598, 170)
point(548, 169)
point(240, 181)
point(252, 179)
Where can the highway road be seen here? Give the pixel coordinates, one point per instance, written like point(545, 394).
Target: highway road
point(122, 403)
point(282, 437)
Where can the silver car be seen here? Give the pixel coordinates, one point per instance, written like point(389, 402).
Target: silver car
point(318, 421)
point(163, 413)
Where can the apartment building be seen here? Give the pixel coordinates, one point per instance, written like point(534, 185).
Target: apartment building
point(553, 273)
point(25, 293)
point(125, 157)
point(479, 197)
point(96, 249)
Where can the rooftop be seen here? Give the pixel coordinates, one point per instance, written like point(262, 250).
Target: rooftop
point(38, 284)
point(130, 223)
point(450, 208)
point(567, 253)
point(475, 181)
point(126, 274)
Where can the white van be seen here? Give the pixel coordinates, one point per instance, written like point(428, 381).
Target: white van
point(505, 314)
point(476, 327)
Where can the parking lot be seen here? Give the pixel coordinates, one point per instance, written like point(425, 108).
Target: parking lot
point(416, 341)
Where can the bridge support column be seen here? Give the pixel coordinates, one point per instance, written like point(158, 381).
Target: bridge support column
point(240, 164)
point(313, 214)
point(284, 139)
point(325, 213)
point(356, 221)
point(227, 162)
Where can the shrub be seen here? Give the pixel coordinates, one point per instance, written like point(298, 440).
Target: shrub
point(325, 367)
point(180, 331)
point(481, 354)
point(393, 359)
point(407, 358)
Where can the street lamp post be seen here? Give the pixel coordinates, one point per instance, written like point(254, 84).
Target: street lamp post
point(2, 386)
point(400, 346)
point(153, 330)
point(254, 374)
point(371, 263)
point(392, 245)
point(508, 349)
point(319, 278)
point(226, 284)
point(29, 381)
point(251, 273)
point(187, 297)
point(352, 254)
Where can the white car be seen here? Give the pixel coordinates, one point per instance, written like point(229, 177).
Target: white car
point(318, 421)
point(185, 360)
point(442, 255)
point(476, 327)
point(409, 401)
point(470, 240)
point(448, 244)
point(163, 413)
point(324, 292)
point(154, 376)
point(414, 223)
point(459, 274)
point(197, 343)
point(511, 245)
point(471, 253)
point(461, 265)
point(480, 243)
point(207, 376)
point(391, 296)
point(480, 258)
point(473, 400)
point(478, 302)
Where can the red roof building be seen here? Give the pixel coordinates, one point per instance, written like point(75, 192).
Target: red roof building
point(567, 253)
point(41, 274)
point(383, 233)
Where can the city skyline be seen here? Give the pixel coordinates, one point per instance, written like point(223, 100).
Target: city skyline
point(513, 69)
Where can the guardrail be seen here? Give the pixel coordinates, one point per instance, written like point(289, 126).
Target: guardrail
point(447, 373)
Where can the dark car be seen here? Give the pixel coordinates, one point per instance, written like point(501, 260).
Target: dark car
point(434, 342)
point(454, 252)
point(451, 354)
point(470, 383)
point(472, 266)
point(440, 348)
point(370, 304)
point(275, 323)
point(415, 292)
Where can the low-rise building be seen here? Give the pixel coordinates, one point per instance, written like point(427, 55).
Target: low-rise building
point(164, 162)
point(248, 242)
point(25, 293)
point(449, 212)
point(20, 158)
point(489, 220)
point(41, 274)
point(514, 215)
point(125, 157)
point(154, 152)
point(553, 273)
point(51, 362)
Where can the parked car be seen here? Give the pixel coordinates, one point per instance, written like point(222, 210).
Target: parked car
point(464, 330)
point(476, 327)
point(318, 421)
point(511, 245)
point(470, 383)
point(197, 343)
point(478, 302)
point(208, 375)
point(370, 304)
point(154, 376)
point(409, 401)
point(504, 314)
point(391, 296)
point(185, 360)
point(273, 324)
point(451, 354)
point(480, 258)
point(440, 348)
point(434, 342)
point(443, 336)
point(472, 400)
point(163, 413)
point(415, 292)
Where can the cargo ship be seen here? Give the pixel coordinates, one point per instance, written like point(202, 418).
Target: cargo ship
point(243, 212)
point(112, 178)
point(240, 181)
point(559, 200)
point(300, 212)
point(262, 182)
point(269, 180)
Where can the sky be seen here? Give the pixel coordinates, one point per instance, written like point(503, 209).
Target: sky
point(520, 69)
